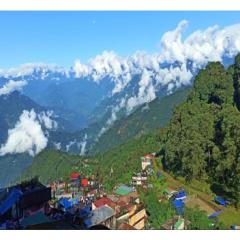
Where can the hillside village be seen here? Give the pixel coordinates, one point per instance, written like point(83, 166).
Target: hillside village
point(81, 202)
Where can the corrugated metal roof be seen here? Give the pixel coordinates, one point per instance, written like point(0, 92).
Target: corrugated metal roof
point(100, 215)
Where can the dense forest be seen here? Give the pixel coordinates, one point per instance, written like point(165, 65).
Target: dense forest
point(202, 140)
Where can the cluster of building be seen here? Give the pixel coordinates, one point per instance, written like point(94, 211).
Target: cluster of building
point(80, 203)
point(141, 178)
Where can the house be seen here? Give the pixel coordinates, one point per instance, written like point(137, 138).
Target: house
point(74, 176)
point(23, 200)
point(103, 215)
point(139, 179)
point(137, 219)
point(84, 182)
point(113, 197)
point(104, 201)
point(133, 215)
point(125, 193)
point(146, 160)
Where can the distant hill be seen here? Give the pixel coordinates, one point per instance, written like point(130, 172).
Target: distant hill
point(124, 160)
point(127, 139)
point(50, 165)
point(147, 118)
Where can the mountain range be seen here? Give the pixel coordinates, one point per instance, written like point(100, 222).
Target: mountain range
point(92, 107)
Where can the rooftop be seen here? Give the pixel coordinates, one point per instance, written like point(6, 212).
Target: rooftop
point(100, 215)
point(104, 201)
point(123, 190)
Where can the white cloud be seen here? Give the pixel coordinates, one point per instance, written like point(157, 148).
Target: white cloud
point(57, 145)
point(71, 143)
point(146, 92)
point(82, 145)
point(11, 86)
point(80, 69)
point(29, 68)
point(27, 135)
point(202, 46)
point(164, 69)
point(45, 118)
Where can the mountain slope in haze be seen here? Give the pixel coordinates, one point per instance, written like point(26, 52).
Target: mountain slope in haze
point(148, 117)
point(12, 166)
point(12, 106)
point(50, 165)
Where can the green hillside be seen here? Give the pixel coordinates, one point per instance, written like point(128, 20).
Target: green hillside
point(146, 119)
point(124, 160)
point(50, 165)
point(203, 138)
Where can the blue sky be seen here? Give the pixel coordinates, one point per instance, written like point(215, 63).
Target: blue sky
point(62, 37)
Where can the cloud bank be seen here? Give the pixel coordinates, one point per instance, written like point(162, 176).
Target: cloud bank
point(28, 134)
point(11, 86)
point(174, 65)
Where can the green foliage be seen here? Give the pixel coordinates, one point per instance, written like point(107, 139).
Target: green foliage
point(158, 212)
point(124, 160)
point(202, 140)
point(198, 219)
point(50, 165)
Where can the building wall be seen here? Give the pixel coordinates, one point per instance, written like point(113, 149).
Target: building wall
point(140, 225)
point(136, 217)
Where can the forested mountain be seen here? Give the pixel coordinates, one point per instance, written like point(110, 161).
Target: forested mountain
point(50, 165)
point(201, 142)
point(147, 118)
point(203, 138)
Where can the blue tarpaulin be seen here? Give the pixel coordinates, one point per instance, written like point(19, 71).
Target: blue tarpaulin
point(12, 198)
point(86, 211)
point(181, 195)
point(65, 203)
point(179, 206)
point(220, 201)
point(216, 214)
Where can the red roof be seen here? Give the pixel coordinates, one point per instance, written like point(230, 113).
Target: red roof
point(104, 201)
point(84, 182)
point(74, 175)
